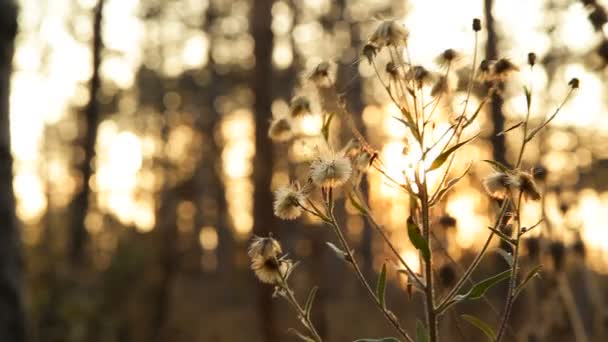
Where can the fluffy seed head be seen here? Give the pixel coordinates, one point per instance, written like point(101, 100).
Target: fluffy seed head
point(369, 51)
point(503, 68)
point(394, 71)
point(330, 169)
point(264, 247)
point(499, 184)
point(287, 201)
point(280, 129)
point(527, 186)
point(321, 76)
point(271, 270)
point(447, 57)
point(389, 33)
point(300, 105)
point(420, 75)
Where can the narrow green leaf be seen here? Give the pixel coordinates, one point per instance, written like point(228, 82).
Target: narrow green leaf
point(506, 256)
point(533, 272)
point(381, 286)
point(421, 334)
point(356, 204)
point(310, 300)
point(386, 339)
point(510, 128)
point(479, 289)
point(477, 111)
point(528, 97)
point(498, 166)
point(481, 325)
point(444, 156)
point(413, 231)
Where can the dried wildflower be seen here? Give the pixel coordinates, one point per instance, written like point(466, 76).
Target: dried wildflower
point(476, 25)
point(321, 76)
point(447, 58)
point(271, 270)
point(394, 71)
point(300, 105)
point(531, 59)
point(441, 86)
point(287, 201)
point(280, 129)
point(331, 169)
point(574, 83)
point(369, 51)
point(498, 184)
point(389, 33)
point(486, 68)
point(420, 75)
point(264, 247)
point(540, 173)
point(447, 221)
point(503, 68)
point(527, 186)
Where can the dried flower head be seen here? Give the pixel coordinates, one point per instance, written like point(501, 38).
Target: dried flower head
point(486, 70)
point(300, 105)
point(503, 68)
point(540, 173)
point(287, 202)
point(447, 221)
point(499, 184)
point(271, 270)
point(330, 169)
point(394, 71)
point(389, 33)
point(264, 247)
point(448, 58)
point(369, 51)
point(441, 86)
point(527, 186)
point(574, 83)
point(420, 75)
point(322, 75)
point(280, 129)
point(476, 25)
point(531, 58)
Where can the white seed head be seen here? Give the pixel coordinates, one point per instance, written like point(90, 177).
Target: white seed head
point(271, 270)
point(449, 57)
point(300, 105)
point(331, 170)
point(389, 33)
point(287, 201)
point(264, 247)
point(280, 129)
point(499, 184)
point(527, 186)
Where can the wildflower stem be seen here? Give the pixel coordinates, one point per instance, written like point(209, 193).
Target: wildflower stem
point(370, 218)
point(446, 301)
point(302, 314)
point(345, 246)
point(431, 314)
point(513, 280)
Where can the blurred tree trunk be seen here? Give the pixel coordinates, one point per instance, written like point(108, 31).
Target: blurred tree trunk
point(80, 203)
point(12, 320)
point(264, 220)
point(498, 119)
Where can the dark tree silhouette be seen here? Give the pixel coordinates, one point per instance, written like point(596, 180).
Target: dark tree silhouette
point(12, 325)
point(264, 220)
point(498, 118)
point(80, 203)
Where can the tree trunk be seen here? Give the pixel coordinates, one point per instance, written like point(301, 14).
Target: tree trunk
point(498, 119)
point(264, 220)
point(80, 203)
point(12, 320)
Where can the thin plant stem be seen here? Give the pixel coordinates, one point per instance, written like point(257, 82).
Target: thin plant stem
point(387, 314)
point(431, 315)
point(303, 317)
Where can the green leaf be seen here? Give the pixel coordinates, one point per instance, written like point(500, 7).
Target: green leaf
point(481, 325)
point(417, 240)
point(479, 289)
point(497, 165)
point(356, 204)
point(533, 272)
point(505, 255)
point(381, 286)
point(510, 128)
point(528, 97)
point(421, 334)
point(310, 300)
point(386, 339)
point(444, 156)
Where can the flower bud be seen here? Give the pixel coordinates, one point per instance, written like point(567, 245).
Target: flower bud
point(476, 25)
